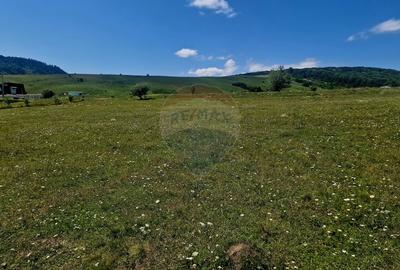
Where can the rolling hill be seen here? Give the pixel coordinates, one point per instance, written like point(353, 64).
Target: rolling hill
point(120, 85)
point(38, 76)
point(19, 65)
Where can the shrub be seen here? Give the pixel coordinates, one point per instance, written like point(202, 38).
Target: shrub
point(8, 102)
point(241, 85)
point(313, 88)
point(246, 87)
point(163, 91)
point(48, 94)
point(279, 79)
point(306, 83)
point(140, 92)
point(27, 102)
point(57, 101)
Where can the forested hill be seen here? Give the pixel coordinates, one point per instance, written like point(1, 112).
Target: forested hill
point(19, 65)
point(345, 76)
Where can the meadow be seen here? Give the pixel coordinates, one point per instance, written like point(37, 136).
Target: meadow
point(312, 182)
point(121, 85)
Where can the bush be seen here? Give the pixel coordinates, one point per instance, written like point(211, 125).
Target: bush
point(163, 91)
point(140, 92)
point(279, 79)
point(8, 102)
point(57, 101)
point(48, 94)
point(27, 102)
point(255, 89)
point(313, 88)
point(246, 87)
point(241, 85)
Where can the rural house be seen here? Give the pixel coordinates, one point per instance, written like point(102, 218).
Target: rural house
point(75, 94)
point(13, 89)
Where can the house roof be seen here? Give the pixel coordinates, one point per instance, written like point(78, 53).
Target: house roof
point(75, 93)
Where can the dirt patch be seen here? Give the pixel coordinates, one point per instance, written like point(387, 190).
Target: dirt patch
point(243, 256)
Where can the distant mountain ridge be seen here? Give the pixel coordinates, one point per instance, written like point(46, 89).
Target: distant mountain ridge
point(19, 66)
point(344, 76)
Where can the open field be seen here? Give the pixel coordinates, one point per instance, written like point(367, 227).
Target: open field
point(120, 85)
point(311, 183)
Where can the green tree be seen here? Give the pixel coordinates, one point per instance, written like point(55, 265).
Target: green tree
point(48, 94)
point(140, 92)
point(279, 79)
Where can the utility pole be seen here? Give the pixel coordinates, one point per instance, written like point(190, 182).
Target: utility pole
point(2, 85)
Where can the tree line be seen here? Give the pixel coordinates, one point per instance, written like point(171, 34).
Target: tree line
point(19, 65)
point(350, 77)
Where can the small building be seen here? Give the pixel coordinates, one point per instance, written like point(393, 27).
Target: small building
point(12, 89)
point(75, 94)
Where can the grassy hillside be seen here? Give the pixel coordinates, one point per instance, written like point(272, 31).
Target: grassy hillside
point(312, 183)
point(116, 85)
point(120, 85)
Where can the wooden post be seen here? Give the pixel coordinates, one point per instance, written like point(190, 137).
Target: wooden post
point(2, 85)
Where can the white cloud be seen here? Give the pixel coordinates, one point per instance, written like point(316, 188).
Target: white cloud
point(207, 72)
point(229, 69)
point(186, 53)
point(192, 53)
point(306, 63)
point(223, 58)
point(213, 58)
point(389, 26)
point(256, 67)
point(205, 58)
point(358, 36)
point(219, 6)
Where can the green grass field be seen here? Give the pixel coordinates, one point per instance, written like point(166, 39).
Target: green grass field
point(120, 85)
point(311, 183)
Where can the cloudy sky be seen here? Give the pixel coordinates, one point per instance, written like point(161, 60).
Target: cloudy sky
point(201, 37)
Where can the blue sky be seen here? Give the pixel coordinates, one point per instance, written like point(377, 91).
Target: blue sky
point(218, 37)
